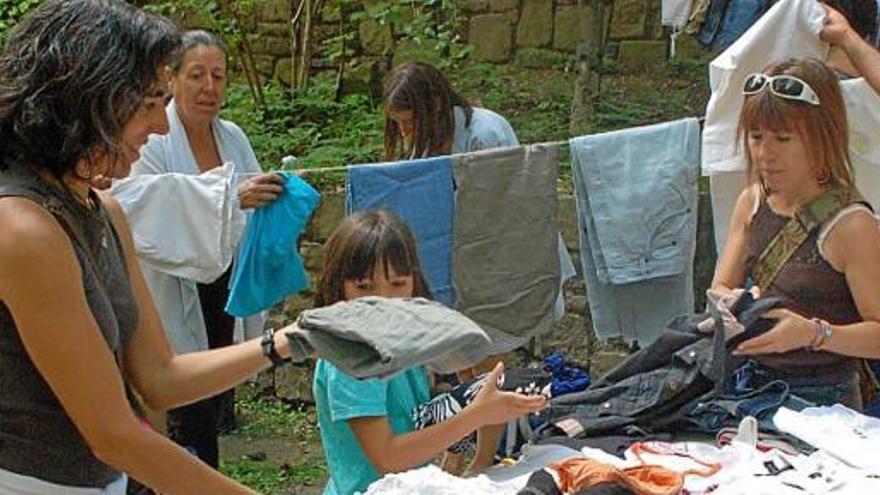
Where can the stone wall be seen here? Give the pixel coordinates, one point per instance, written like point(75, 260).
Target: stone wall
point(532, 33)
point(517, 30)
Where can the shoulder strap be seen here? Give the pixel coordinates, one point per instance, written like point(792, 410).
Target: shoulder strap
point(52, 205)
point(809, 218)
point(78, 236)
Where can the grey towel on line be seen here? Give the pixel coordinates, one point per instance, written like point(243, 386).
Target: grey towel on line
point(505, 259)
point(376, 337)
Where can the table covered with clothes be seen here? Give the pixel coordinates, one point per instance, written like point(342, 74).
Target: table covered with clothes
point(682, 415)
point(746, 462)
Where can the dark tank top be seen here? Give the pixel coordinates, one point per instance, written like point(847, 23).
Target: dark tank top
point(37, 438)
point(809, 286)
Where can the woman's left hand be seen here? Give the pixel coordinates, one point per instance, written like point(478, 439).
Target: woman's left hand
point(792, 331)
point(260, 190)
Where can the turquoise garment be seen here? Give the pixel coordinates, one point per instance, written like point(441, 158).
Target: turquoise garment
point(340, 397)
point(269, 267)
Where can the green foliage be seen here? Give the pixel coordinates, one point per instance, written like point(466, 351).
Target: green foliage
point(266, 477)
point(274, 424)
point(313, 127)
point(218, 17)
point(436, 23)
point(11, 11)
point(264, 417)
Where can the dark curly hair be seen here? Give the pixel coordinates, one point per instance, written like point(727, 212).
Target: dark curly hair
point(72, 74)
point(421, 88)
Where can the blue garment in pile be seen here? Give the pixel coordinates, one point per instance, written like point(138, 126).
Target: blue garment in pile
point(567, 377)
point(419, 192)
point(637, 209)
point(269, 267)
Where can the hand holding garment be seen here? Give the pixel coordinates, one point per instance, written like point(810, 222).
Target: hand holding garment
point(270, 267)
point(167, 269)
point(376, 336)
point(183, 225)
point(749, 314)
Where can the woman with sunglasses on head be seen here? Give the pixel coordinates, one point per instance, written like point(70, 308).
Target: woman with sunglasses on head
point(81, 343)
point(793, 127)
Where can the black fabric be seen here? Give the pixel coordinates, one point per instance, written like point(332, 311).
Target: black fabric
point(607, 489)
point(37, 437)
point(650, 388)
point(220, 326)
point(196, 426)
point(748, 312)
point(540, 483)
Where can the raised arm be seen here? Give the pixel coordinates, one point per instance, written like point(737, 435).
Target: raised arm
point(864, 57)
point(38, 267)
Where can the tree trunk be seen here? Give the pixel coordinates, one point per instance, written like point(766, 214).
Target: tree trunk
point(590, 51)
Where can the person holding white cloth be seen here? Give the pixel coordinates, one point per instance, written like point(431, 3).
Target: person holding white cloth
point(191, 300)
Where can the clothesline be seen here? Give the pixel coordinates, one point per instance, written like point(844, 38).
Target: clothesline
point(342, 168)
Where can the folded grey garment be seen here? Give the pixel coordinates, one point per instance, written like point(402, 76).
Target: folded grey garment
point(376, 336)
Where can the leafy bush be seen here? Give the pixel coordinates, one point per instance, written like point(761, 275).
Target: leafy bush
point(11, 11)
point(313, 127)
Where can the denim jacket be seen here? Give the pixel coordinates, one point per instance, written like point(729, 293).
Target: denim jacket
point(652, 386)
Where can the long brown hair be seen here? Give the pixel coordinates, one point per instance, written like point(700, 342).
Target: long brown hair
point(822, 128)
point(422, 89)
point(359, 244)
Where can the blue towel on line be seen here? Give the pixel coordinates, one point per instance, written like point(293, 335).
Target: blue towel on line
point(420, 192)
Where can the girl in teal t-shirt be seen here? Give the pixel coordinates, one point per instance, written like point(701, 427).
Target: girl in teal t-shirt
point(366, 425)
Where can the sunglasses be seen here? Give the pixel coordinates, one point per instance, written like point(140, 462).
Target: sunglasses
point(783, 86)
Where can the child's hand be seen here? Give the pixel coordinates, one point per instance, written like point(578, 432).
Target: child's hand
point(492, 406)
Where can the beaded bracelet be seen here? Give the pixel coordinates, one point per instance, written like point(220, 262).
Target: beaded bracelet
point(823, 334)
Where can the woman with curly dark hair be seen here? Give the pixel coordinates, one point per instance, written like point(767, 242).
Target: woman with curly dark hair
point(81, 345)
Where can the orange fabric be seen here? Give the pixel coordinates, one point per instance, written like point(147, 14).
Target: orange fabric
point(654, 448)
point(578, 473)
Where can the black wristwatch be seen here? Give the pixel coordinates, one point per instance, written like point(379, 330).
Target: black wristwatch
point(268, 345)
